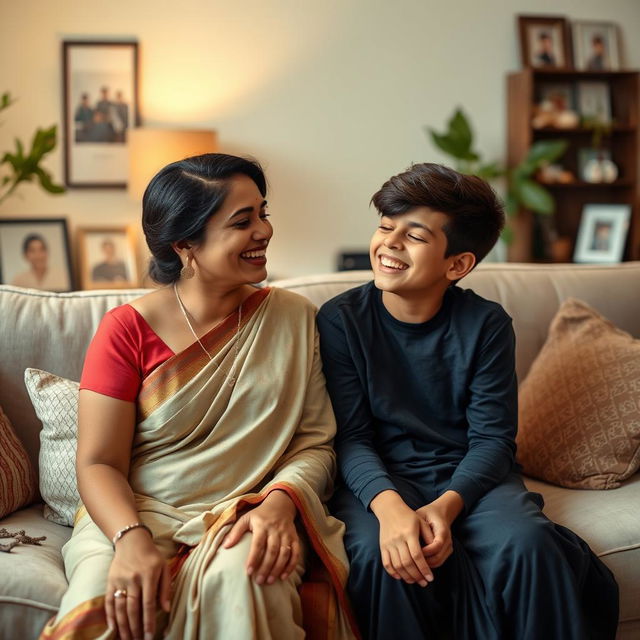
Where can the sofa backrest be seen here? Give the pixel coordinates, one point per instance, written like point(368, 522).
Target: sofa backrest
point(51, 331)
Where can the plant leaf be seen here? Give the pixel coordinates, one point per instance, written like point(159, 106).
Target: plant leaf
point(445, 143)
point(507, 235)
point(535, 197)
point(46, 182)
point(490, 171)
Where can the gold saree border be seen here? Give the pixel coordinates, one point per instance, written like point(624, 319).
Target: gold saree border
point(164, 381)
point(88, 620)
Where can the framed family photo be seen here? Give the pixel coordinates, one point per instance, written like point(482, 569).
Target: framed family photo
point(107, 257)
point(596, 46)
point(100, 105)
point(544, 42)
point(34, 253)
point(602, 233)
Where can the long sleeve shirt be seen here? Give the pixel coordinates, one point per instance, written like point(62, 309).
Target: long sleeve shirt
point(435, 402)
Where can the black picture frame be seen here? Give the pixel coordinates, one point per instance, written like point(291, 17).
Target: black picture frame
point(100, 104)
point(34, 253)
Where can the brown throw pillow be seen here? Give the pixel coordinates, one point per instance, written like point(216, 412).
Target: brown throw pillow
point(579, 416)
point(17, 477)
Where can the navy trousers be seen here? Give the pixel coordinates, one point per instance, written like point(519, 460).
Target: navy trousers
point(513, 575)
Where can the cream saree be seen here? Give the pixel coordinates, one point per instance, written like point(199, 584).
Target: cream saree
point(204, 450)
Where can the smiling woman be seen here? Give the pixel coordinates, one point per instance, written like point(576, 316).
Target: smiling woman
point(205, 470)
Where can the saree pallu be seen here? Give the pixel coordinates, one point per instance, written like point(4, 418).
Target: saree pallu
point(205, 449)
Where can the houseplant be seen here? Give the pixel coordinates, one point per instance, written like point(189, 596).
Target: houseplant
point(522, 190)
point(20, 167)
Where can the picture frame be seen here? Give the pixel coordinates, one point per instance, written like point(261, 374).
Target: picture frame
point(596, 46)
point(594, 102)
point(100, 105)
point(34, 254)
point(544, 42)
point(602, 233)
point(107, 258)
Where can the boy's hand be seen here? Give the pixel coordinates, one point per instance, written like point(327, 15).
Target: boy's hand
point(401, 530)
point(440, 515)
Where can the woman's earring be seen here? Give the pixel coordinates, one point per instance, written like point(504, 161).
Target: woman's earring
point(187, 271)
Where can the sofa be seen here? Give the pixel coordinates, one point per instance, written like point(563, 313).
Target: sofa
point(51, 332)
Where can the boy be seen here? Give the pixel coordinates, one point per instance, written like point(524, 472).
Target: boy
point(422, 380)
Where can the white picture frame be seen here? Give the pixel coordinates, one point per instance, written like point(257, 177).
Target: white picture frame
point(594, 101)
point(602, 233)
point(596, 46)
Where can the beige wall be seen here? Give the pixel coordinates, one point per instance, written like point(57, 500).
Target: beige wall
point(331, 96)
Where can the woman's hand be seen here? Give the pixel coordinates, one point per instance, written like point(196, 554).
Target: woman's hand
point(440, 515)
point(401, 530)
point(275, 547)
point(138, 568)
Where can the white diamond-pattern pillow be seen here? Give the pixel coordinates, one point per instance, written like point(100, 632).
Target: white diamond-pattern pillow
point(55, 401)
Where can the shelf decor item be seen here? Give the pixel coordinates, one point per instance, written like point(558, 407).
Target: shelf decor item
point(595, 165)
point(594, 102)
point(107, 258)
point(544, 42)
point(34, 253)
point(596, 46)
point(100, 104)
point(602, 233)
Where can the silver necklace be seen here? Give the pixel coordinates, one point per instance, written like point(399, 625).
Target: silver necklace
point(231, 379)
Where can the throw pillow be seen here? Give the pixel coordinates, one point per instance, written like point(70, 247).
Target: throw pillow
point(579, 417)
point(55, 401)
point(17, 476)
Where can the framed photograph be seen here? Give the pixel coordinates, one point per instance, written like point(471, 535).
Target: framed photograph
point(594, 102)
point(544, 42)
point(602, 233)
point(596, 46)
point(34, 253)
point(107, 257)
point(100, 104)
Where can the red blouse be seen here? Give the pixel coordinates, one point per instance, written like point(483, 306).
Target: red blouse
point(124, 351)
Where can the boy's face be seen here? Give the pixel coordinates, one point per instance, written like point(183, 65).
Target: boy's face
point(407, 252)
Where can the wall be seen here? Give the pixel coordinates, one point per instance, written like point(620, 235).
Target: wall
point(331, 96)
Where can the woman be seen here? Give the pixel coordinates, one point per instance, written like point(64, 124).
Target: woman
point(205, 433)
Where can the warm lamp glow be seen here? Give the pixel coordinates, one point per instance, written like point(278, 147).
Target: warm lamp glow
point(152, 149)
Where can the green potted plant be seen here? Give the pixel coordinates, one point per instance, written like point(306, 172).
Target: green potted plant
point(522, 189)
point(19, 166)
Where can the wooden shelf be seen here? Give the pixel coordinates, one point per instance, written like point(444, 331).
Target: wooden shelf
point(622, 142)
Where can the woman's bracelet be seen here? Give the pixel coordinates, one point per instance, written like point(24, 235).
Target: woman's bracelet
point(130, 527)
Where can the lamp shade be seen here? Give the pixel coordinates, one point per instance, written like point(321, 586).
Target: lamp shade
point(152, 149)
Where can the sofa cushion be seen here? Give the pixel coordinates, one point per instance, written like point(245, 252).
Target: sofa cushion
point(579, 418)
point(55, 401)
point(17, 476)
point(33, 579)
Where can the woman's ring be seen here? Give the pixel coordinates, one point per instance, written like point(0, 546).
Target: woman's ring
point(120, 593)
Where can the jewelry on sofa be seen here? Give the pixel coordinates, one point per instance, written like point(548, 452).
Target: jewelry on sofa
point(231, 380)
point(187, 270)
point(120, 593)
point(130, 527)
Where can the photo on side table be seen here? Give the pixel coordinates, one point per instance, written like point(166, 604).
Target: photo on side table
point(596, 46)
point(107, 258)
point(544, 42)
point(602, 233)
point(34, 253)
point(100, 105)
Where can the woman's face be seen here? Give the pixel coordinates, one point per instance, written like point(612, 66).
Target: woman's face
point(233, 251)
point(36, 254)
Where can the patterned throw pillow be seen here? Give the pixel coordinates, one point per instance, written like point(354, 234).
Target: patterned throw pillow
point(17, 477)
point(55, 401)
point(579, 417)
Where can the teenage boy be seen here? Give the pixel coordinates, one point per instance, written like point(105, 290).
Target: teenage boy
point(443, 537)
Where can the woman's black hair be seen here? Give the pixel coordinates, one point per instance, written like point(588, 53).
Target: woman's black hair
point(179, 201)
point(32, 237)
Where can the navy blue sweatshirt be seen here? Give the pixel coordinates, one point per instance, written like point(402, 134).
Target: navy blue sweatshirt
point(435, 402)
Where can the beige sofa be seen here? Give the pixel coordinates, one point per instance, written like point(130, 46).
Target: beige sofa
point(52, 331)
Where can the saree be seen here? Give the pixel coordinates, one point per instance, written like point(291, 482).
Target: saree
point(203, 451)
